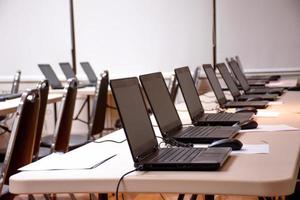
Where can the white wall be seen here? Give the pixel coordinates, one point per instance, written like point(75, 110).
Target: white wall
point(126, 36)
point(130, 37)
point(264, 33)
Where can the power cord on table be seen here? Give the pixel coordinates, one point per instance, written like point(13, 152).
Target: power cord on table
point(114, 141)
point(122, 177)
point(173, 142)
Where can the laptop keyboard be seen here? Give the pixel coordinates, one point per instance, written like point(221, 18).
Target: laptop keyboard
point(178, 154)
point(219, 117)
point(198, 131)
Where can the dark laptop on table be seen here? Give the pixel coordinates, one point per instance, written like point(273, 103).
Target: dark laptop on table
point(168, 120)
point(142, 141)
point(244, 83)
point(50, 75)
point(195, 108)
point(217, 89)
point(256, 77)
point(69, 73)
point(87, 68)
point(4, 97)
point(235, 91)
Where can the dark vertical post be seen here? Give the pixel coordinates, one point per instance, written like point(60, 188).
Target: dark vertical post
point(72, 28)
point(214, 34)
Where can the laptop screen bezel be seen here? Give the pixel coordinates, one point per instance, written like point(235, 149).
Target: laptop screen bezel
point(52, 78)
point(234, 90)
point(171, 126)
point(144, 150)
point(91, 75)
point(194, 114)
point(67, 70)
point(239, 75)
point(220, 97)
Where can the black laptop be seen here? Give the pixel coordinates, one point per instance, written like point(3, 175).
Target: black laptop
point(256, 77)
point(4, 97)
point(87, 68)
point(217, 89)
point(235, 91)
point(142, 141)
point(69, 73)
point(244, 83)
point(168, 120)
point(50, 75)
point(195, 108)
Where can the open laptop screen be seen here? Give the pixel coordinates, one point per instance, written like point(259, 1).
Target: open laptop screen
point(228, 80)
point(189, 92)
point(239, 75)
point(214, 83)
point(160, 101)
point(50, 76)
point(67, 69)
point(134, 116)
point(87, 68)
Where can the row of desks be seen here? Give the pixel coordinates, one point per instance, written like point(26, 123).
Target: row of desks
point(271, 174)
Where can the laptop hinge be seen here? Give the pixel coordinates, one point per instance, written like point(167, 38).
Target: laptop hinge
point(147, 154)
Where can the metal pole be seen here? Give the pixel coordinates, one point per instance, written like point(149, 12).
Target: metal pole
point(72, 28)
point(214, 34)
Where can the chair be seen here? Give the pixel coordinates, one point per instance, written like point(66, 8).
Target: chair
point(14, 90)
point(20, 147)
point(60, 140)
point(99, 107)
point(197, 78)
point(174, 89)
point(39, 152)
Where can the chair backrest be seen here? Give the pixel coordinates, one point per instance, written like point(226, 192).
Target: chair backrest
point(43, 87)
point(20, 146)
point(174, 89)
point(197, 78)
point(65, 117)
point(99, 107)
point(16, 83)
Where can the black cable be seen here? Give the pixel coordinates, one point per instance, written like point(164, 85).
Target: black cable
point(117, 190)
point(173, 142)
point(119, 142)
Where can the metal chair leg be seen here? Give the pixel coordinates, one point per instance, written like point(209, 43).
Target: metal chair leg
point(209, 197)
point(194, 197)
point(180, 197)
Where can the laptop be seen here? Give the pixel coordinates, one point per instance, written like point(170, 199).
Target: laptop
point(69, 73)
point(244, 83)
point(223, 102)
point(256, 77)
point(4, 97)
point(142, 141)
point(50, 75)
point(195, 108)
point(87, 68)
point(235, 91)
point(168, 120)
point(251, 82)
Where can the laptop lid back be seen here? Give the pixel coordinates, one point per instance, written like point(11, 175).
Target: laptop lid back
point(239, 75)
point(87, 68)
point(67, 70)
point(50, 75)
point(134, 117)
point(160, 101)
point(234, 90)
point(189, 92)
point(214, 83)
